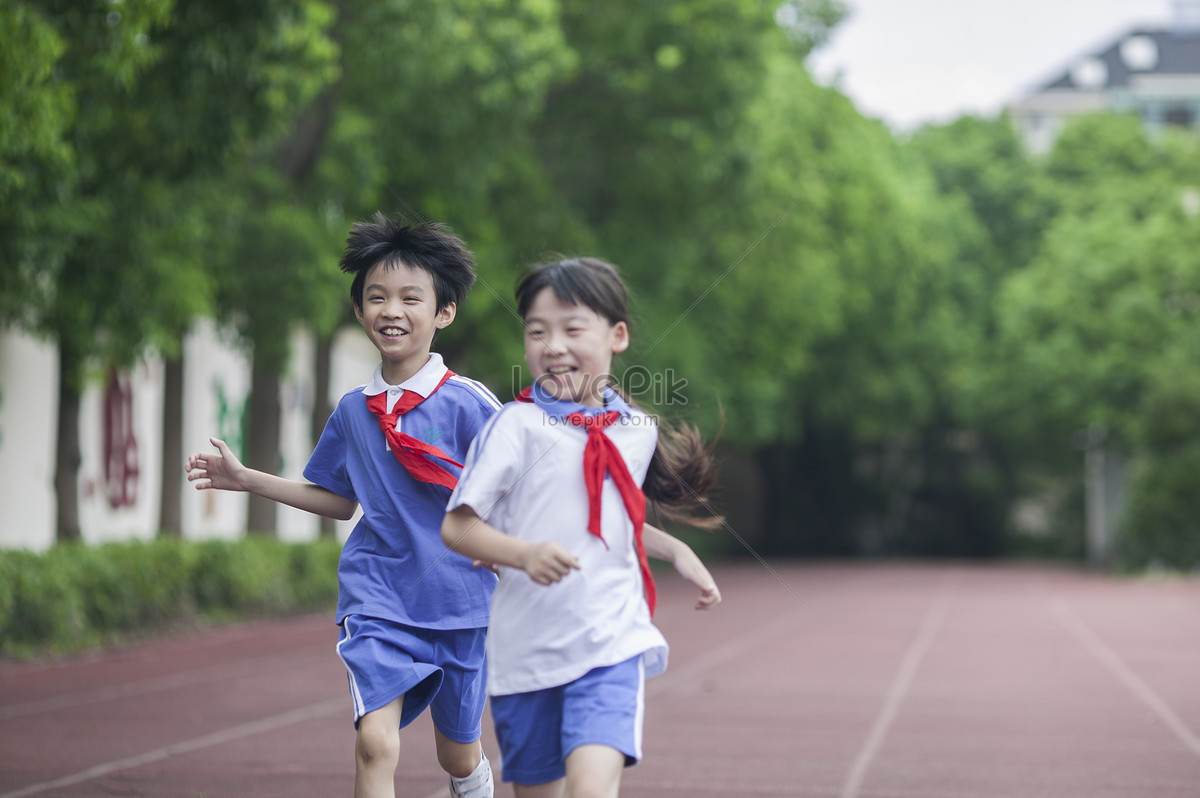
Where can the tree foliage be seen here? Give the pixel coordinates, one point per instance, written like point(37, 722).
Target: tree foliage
point(900, 335)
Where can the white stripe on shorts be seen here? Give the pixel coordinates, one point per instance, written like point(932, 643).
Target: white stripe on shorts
point(641, 709)
point(355, 694)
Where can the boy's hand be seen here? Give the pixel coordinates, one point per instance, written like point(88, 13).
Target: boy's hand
point(547, 563)
point(491, 566)
point(223, 471)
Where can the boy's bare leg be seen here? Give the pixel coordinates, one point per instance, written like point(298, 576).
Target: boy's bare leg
point(594, 771)
point(377, 752)
point(457, 759)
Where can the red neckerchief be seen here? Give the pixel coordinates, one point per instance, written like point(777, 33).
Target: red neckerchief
point(600, 457)
point(412, 453)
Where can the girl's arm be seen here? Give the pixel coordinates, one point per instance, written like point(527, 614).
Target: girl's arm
point(469, 535)
point(662, 546)
point(223, 471)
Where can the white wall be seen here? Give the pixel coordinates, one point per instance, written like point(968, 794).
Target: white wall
point(216, 385)
point(28, 396)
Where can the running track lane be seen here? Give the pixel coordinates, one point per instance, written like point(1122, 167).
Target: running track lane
point(840, 681)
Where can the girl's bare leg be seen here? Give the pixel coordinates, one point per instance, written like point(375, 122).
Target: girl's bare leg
point(594, 771)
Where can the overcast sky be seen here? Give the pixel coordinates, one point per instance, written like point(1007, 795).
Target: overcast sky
point(914, 61)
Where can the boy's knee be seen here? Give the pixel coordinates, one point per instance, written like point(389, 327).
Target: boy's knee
point(376, 744)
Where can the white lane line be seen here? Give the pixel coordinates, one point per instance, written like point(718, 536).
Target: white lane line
point(1117, 667)
point(145, 686)
point(935, 616)
point(187, 746)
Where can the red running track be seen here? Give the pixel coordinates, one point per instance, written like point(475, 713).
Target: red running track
point(879, 681)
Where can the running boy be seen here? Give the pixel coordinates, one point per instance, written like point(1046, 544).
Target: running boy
point(412, 619)
point(554, 485)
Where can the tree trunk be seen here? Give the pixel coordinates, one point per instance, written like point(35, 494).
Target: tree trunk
point(67, 451)
point(322, 408)
point(170, 518)
point(262, 444)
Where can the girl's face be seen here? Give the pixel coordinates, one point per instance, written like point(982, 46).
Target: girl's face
point(569, 348)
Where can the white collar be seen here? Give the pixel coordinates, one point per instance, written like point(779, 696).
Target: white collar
point(424, 382)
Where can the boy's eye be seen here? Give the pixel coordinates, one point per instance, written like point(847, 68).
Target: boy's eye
point(533, 333)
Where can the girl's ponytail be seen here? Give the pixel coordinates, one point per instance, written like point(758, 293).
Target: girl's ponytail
point(682, 472)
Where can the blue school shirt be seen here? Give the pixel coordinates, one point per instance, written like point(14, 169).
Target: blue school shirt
point(394, 564)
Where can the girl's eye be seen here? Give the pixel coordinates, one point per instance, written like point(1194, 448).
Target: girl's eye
point(533, 333)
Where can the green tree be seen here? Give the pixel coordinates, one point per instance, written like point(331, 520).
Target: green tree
point(161, 99)
point(1096, 331)
point(426, 118)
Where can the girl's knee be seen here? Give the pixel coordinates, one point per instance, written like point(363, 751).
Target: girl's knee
point(458, 759)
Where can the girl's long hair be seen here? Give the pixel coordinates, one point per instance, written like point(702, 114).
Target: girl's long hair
point(683, 469)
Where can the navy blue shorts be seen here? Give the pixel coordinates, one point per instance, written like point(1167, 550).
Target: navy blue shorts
point(442, 669)
point(539, 729)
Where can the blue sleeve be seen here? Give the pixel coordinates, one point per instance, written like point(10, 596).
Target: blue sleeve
point(327, 466)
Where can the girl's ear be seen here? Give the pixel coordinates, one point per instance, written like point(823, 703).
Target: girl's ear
point(445, 316)
point(620, 336)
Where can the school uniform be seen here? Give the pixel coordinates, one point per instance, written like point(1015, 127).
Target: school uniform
point(524, 475)
point(412, 614)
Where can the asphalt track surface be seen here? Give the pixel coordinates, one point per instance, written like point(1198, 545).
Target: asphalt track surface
point(899, 680)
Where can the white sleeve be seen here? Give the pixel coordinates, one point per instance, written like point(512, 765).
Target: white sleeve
point(492, 468)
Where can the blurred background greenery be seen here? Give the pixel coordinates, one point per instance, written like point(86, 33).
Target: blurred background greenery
point(912, 345)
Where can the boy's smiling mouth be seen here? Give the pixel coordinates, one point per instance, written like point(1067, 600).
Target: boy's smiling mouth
point(392, 332)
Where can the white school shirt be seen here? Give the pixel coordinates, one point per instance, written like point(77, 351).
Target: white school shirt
point(524, 476)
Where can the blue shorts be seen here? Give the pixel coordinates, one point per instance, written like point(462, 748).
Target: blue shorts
point(537, 730)
point(442, 669)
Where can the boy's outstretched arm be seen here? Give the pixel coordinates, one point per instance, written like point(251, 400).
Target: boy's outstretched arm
point(662, 546)
point(468, 534)
point(223, 471)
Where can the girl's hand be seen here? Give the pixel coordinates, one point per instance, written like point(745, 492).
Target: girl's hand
point(709, 597)
point(222, 470)
point(692, 569)
point(547, 563)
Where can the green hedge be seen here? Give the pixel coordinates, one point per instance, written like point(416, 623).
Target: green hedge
point(75, 597)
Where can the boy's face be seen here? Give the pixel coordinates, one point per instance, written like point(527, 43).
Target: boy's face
point(569, 348)
point(400, 315)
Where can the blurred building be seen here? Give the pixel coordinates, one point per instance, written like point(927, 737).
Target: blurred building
point(1153, 72)
point(120, 436)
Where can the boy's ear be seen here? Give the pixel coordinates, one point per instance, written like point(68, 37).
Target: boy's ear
point(358, 313)
point(445, 316)
point(620, 339)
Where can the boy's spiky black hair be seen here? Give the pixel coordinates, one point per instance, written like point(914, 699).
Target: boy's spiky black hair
point(429, 246)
